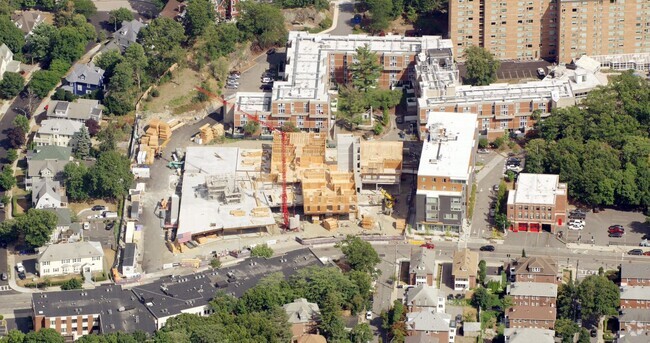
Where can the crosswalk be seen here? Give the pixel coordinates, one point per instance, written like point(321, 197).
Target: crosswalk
point(5, 288)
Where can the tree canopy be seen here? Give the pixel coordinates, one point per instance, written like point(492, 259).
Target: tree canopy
point(162, 40)
point(365, 70)
point(481, 66)
point(598, 296)
point(35, 228)
point(600, 148)
point(11, 84)
point(117, 16)
point(200, 14)
point(11, 35)
point(262, 23)
point(359, 254)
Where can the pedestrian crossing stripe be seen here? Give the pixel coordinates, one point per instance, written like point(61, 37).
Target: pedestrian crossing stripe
point(4, 288)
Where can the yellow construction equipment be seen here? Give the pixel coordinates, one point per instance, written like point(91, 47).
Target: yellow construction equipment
point(389, 201)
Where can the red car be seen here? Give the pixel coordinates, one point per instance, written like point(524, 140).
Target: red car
point(647, 253)
point(616, 228)
point(428, 245)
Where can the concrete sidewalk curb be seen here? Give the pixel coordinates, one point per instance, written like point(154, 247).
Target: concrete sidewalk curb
point(11, 261)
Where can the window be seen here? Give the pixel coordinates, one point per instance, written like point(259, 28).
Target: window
point(281, 108)
point(46, 263)
point(65, 261)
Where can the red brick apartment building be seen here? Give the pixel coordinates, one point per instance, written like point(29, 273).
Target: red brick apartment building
point(538, 203)
point(556, 30)
point(534, 269)
point(531, 317)
point(533, 305)
point(635, 297)
point(635, 274)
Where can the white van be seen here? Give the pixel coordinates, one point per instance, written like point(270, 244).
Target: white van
point(108, 214)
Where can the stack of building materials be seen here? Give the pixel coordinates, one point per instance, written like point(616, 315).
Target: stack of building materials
point(260, 211)
point(150, 142)
point(209, 133)
point(400, 224)
point(331, 224)
point(368, 223)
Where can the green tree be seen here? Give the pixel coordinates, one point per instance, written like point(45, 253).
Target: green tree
point(359, 254)
point(75, 175)
point(119, 103)
point(85, 7)
point(584, 336)
point(482, 271)
point(71, 284)
point(7, 178)
point(361, 333)
point(382, 12)
point(384, 99)
point(111, 176)
point(215, 263)
point(11, 84)
point(218, 40)
point(68, 45)
point(119, 15)
point(42, 82)
point(11, 35)
point(162, 40)
point(481, 66)
point(566, 298)
point(262, 23)
point(262, 250)
point(39, 43)
point(12, 155)
point(598, 296)
point(122, 79)
point(81, 138)
point(251, 127)
point(22, 123)
point(15, 336)
point(43, 336)
point(108, 61)
point(200, 14)
point(483, 143)
point(136, 57)
point(36, 226)
point(365, 70)
point(15, 137)
point(566, 329)
point(480, 298)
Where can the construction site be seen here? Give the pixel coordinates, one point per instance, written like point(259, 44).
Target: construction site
point(294, 180)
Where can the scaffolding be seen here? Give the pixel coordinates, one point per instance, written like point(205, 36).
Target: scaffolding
point(223, 189)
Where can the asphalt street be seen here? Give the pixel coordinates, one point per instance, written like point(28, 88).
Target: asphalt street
point(344, 25)
point(19, 106)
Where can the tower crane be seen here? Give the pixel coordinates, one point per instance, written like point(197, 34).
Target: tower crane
point(284, 141)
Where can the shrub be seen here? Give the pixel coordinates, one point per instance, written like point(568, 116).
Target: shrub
point(262, 250)
point(155, 93)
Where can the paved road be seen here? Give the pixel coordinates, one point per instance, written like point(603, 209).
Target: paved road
point(19, 106)
point(344, 25)
point(489, 176)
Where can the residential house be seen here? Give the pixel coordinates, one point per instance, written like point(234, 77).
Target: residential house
point(7, 62)
point(528, 335)
point(425, 297)
point(464, 269)
point(57, 132)
point(311, 338)
point(635, 323)
point(420, 337)
point(534, 269)
point(174, 9)
point(47, 193)
point(538, 298)
point(432, 324)
point(128, 33)
point(175, 295)
point(471, 329)
point(635, 297)
point(303, 317)
point(538, 203)
point(226, 9)
point(635, 274)
point(102, 310)
point(423, 267)
point(27, 21)
point(72, 234)
point(46, 161)
point(70, 258)
point(79, 110)
point(63, 222)
point(84, 79)
point(129, 260)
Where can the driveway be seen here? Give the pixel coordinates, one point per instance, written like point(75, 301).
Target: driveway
point(251, 78)
point(344, 24)
point(490, 175)
point(19, 106)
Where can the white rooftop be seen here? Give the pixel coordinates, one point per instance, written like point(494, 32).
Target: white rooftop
point(201, 213)
point(537, 189)
point(533, 288)
point(449, 145)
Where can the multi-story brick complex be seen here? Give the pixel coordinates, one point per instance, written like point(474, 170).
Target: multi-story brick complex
point(635, 297)
point(539, 203)
point(446, 171)
point(635, 274)
point(557, 30)
point(533, 305)
point(534, 269)
point(634, 323)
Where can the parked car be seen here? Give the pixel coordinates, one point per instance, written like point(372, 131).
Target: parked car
point(483, 151)
point(234, 75)
point(19, 267)
point(22, 275)
point(487, 248)
point(401, 135)
point(266, 79)
point(647, 253)
point(644, 243)
point(496, 188)
point(369, 315)
point(637, 252)
point(4, 277)
point(428, 245)
point(616, 228)
point(99, 208)
point(266, 88)
point(86, 225)
point(232, 86)
point(541, 72)
point(616, 235)
point(109, 226)
point(356, 20)
point(399, 119)
point(459, 319)
point(577, 214)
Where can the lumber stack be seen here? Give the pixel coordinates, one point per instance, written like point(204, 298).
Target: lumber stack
point(331, 224)
point(367, 223)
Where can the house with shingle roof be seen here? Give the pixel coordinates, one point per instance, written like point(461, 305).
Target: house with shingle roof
point(79, 110)
point(27, 21)
point(534, 269)
point(435, 325)
point(70, 258)
point(303, 317)
point(422, 267)
point(635, 274)
point(425, 297)
point(57, 132)
point(528, 335)
point(128, 33)
point(84, 79)
point(46, 161)
point(47, 193)
point(464, 269)
point(7, 62)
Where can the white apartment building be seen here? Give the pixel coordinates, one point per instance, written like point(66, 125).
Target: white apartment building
point(57, 132)
point(70, 258)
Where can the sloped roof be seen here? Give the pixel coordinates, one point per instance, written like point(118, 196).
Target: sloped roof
point(59, 126)
point(465, 263)
point(310, 338)
point(130, 29)
point(46, 186)
point(419, 337)
point(68, 251)
point(301, 311)
point(26, 21)
point(423, 296)
point(539, 289)
point(86, 73)
point(50, 152)
point(5, 52)
point(422, 261)
point(547, 266)
point(79, 109)
point(531, 312)
point(635, 293)
point(34, 168)
point(427, 321)
point(63, 216)
point(634, 315)
point(635, 271)
point(529, 335)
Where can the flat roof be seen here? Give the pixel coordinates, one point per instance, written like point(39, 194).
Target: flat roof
point(635, 293)
point(200, 211)
point(533, 288)
point(448, 148)
point(173, 294)
point(537, 189)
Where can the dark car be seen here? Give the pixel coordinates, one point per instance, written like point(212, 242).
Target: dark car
point(109, 226)
point(577, 214)
point(22, 275)
point(356, 20)
point(266, 88)
point(487, 248)
point(594, 333)
point(616, 235)
point(459, 319)
point(637, 252)
point(270, 51)
point(616, 228)
point(99, 208)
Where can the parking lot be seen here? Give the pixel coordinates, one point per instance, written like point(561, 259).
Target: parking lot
point(512, 70)
point(595, 231)
point(251, 79)
point(4, 268)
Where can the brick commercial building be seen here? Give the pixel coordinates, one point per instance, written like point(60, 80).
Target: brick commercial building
point(534, 269)
point(555, 30)
point(446, 172)
point(536, 294)
point(538, 203)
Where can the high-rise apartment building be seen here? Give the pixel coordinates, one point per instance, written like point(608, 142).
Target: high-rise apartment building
point(558, 30)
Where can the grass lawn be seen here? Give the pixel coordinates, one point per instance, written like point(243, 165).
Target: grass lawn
point(177, 93)
point(77, 207)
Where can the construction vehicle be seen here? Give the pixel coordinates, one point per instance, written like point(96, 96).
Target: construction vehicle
point(284, 138)
point(389, 201)
point(175, 164)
